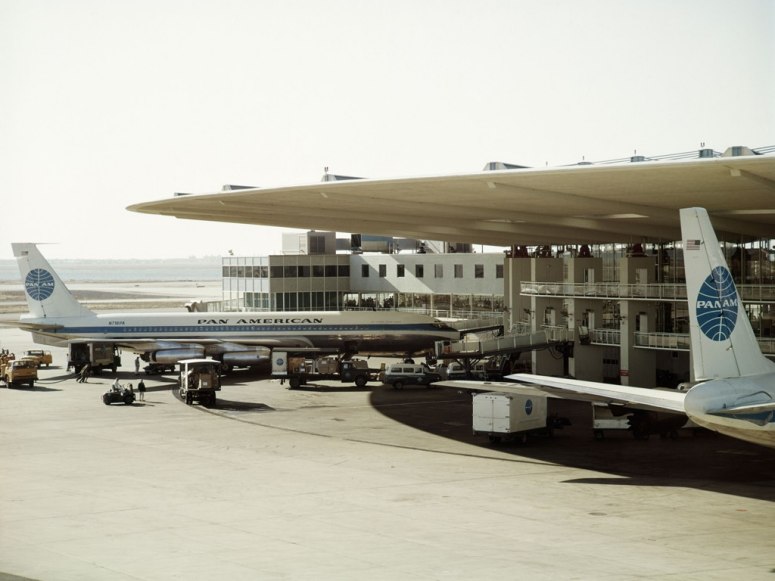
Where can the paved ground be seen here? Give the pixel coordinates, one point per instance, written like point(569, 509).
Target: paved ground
point(331, 482)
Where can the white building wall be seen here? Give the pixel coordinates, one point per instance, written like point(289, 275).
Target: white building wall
point(429, 283)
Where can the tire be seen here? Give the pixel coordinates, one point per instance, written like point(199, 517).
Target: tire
point(360, 381)
point(398, 384)
point(128, 399)
point(294, 382)
point(105, 399)
point(32, 383)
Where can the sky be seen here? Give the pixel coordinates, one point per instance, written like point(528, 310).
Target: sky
point(109, 103)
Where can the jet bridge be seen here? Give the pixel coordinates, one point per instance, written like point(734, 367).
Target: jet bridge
point(469, 326)
point(469, 351)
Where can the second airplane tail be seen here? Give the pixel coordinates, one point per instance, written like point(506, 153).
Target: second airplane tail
point(723, 342)
point(46, 294)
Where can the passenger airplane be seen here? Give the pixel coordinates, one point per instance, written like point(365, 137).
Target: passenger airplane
point(735, 393)
point(57, 318)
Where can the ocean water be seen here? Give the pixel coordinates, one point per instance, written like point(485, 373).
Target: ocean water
point(74, 270)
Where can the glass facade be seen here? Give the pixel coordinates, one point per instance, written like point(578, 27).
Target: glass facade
point(344, 281)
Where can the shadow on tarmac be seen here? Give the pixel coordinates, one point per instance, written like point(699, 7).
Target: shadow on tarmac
point(697, 459)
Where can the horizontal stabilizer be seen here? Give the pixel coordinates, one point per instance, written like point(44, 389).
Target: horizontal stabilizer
point(625, 395)
point(32, 327)
point(755, 408)
point(622, 395)
point(499, 386)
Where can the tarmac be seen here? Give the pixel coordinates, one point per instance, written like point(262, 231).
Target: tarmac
point(334, 482)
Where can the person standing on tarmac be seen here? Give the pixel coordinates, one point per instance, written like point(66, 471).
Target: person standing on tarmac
point(84, 374)
point(141, 390)
point(137, 365)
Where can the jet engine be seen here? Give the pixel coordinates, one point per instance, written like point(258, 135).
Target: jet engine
point(244, 358)
point(169, 356)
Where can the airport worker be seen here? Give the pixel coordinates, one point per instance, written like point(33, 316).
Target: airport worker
point(141, 389)
point(137, 365)
point(84, 375)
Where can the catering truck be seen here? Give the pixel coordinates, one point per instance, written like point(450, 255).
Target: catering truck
point(98, 355)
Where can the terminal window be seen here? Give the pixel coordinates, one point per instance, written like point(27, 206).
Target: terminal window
point(458, 271)
point(400, 269)
point(382, 270)
point(364, 270)
point(498, 271)
point(478, 270)
point(438, 271)
point(419, 270)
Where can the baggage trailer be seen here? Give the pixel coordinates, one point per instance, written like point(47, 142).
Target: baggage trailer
point(300, 367)
point(505, 416)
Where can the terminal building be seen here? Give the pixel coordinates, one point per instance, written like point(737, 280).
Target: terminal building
point(623, 307)
point(600, 263)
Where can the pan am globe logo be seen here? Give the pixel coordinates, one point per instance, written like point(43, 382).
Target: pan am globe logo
point(39, 284)
point(717, 305)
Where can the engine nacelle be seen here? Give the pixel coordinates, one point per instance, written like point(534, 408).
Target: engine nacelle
point(168, 356)
point(244, 358)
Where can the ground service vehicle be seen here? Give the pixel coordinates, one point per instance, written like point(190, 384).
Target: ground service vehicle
point(159, 368)
point(199, 380)
point(400, 374)
point(18, 371)
point(98, 355)
point(298, 369)
point(42, 357)
point(457, 370)
point(119, 394)
point(507, 416)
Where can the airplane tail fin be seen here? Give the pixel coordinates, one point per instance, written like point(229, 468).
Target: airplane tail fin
point(46, 294)
point(723, 342)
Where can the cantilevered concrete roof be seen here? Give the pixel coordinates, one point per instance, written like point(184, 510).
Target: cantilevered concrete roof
point(629, 202)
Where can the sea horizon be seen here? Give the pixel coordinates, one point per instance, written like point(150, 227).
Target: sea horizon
point(123, 270)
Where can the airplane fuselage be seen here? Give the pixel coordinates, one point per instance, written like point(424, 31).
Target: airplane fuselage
point(368, 332)
point(706, 403)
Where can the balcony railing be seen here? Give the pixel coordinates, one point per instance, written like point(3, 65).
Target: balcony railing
point(650, 292)
point(671, 341)
point(666, 341)
point(605, 336)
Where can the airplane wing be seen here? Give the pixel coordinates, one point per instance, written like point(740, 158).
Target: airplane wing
point(623, 395)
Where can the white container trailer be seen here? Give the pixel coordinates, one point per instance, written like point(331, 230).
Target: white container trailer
point(506, 416)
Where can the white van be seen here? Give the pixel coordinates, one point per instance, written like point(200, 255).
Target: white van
point(400, 374)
